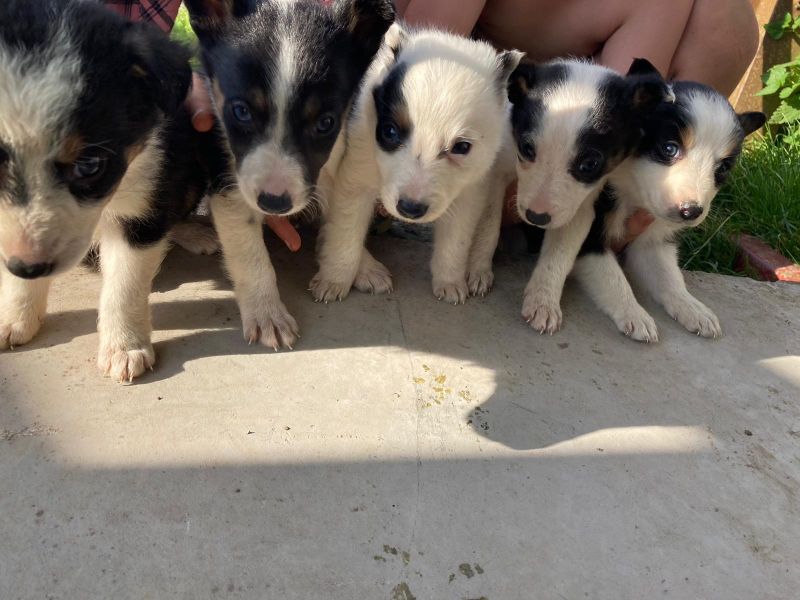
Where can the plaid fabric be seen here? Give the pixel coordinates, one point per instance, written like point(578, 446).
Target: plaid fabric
point(159, 12)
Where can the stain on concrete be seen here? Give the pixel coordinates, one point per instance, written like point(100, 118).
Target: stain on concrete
point(451, 578)
point(35, 430)
point(379, 558)
point(478, 569)
point(387, 549)
point(402, 592)
point(406, 557)
point(440, 379)
point(419, 380)
point(466, 570)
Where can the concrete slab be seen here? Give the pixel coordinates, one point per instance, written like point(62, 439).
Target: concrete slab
point(405, 449)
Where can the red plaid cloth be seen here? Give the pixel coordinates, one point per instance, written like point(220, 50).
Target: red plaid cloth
point(159, 12)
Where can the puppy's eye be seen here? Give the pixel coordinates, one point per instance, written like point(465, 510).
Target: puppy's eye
point(241, 112)
point(591, 164)
point(390, 134)
point(462, 148)
point(527, 151)
point(88, 167)
point(670, 150)
point(325, 125)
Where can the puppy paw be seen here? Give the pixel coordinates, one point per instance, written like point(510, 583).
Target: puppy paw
point(124, 364)
point(480, 282)
point(326, 290)
point(195, 238)
point(18, 331)
point(373, 277)
point(638, 325)
point(696, 317)
point(271, 325)
point(451, 292)
point(542, 314)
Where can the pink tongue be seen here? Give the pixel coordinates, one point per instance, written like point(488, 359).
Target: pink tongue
point(284, 230)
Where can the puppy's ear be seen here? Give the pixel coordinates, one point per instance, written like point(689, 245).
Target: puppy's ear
point(751, 121)
point(210, 17)
point(507, 61)
point(159, 66)
point(642, 66)
point(647, 92)
point(367, 21)
point(521, 81)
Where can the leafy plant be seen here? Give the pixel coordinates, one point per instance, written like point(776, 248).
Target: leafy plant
point(783, 80)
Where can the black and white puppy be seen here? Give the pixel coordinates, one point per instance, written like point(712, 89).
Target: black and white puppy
point(282, 77)
point(574, 122)
point(689, 148)
point(424, 136)
point(94, 146)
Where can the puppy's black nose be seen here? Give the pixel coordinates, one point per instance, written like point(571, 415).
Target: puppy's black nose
point(26, 271)
point(690, 211)
point(540, 219)
point(276, 205)
point(411, 209)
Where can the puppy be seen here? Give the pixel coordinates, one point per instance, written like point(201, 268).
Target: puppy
point(426, 130)
point(94, 145)
point(689, 148)
point(282, 77)
point(574, 122)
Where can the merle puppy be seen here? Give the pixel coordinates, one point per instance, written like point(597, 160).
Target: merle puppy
point(95, 146)
point(282, 76)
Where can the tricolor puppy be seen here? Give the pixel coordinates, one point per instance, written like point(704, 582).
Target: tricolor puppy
point(574, 122)
point(689, 148)
point(282, 77)
point(424, 135)
point(94, 145)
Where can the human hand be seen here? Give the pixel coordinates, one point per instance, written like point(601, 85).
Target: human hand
point(198, 103)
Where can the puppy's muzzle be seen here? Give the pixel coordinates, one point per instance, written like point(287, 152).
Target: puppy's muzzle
point(275, 204)
point(29, 271)
point(411, 209)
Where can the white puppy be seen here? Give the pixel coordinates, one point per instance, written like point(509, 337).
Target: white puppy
point(574, 122)
point(423, 137)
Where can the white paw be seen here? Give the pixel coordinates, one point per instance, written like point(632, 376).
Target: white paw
point(480, 282)
point(18, 331)
point(196, 238)
point(124, 364)
point(638, 325)
point(325, 290)
point(696, 317)
point(373, 277)
point(451, 292)
point(270, 324)
point(543, 314)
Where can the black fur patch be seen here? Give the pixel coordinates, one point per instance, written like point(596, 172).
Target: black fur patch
point(391, 108)
point(596, 241)
point(527, 85)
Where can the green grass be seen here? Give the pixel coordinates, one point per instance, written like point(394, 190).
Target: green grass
point(182, 32)
point(762, 198)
